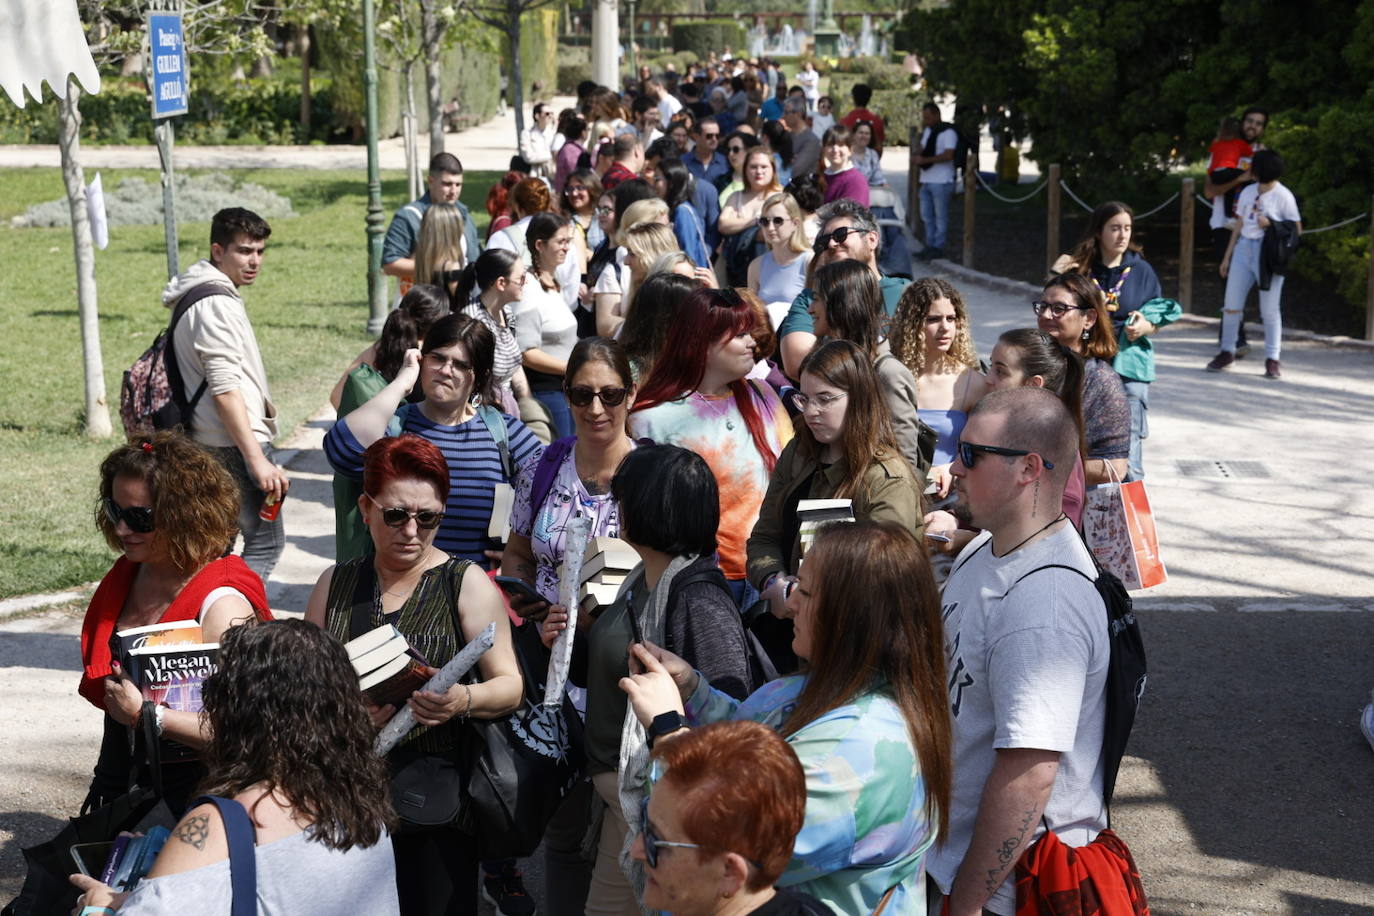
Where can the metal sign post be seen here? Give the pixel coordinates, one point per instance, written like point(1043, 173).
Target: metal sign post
point(170, 81)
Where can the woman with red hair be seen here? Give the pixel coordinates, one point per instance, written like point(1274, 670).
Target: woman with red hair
point(498, 203)
point(698, 397)
point(438, 603)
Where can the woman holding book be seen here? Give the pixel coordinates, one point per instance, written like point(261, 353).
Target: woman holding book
point(309, 783)
point(698, 397)
point(170, 509)
point(438, 603)
point(869, 719)
point(844, 449)
point(676, 596)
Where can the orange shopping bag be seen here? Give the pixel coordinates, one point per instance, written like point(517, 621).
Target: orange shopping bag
point(1120, 528)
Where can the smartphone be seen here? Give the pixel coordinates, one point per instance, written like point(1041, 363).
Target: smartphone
point(637, 635)
point(90, 858)
point(937, 537)
point(519, 588)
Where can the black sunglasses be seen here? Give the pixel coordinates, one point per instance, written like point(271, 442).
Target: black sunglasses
point(775, 221)
point(651, 840)
point(824, 240)
point(138, 518)
point(396, 517)
point(968, 453)
point(581, 396)
point(734, 149)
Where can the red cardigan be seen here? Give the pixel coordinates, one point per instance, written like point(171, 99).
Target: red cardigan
point(108, 601)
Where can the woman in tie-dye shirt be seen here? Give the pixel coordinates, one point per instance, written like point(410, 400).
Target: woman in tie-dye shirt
point(869, 719)
point(698, 398)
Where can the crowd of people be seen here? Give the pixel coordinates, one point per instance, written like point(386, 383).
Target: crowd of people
point(676, 344)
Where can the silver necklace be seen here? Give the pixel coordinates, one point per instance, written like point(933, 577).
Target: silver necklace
point(720, 414)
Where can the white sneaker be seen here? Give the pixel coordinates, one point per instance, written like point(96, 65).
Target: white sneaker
point(1367, 721)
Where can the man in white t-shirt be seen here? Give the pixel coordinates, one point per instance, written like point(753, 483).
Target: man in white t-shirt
point(938, 144)
point(1027, 649)
point(668, 105)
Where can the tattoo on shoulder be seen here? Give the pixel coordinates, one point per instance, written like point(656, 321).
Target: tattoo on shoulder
point(194, 831)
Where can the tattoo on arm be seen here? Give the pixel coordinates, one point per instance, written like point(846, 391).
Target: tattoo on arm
point(194, 831)
point(1007, 851)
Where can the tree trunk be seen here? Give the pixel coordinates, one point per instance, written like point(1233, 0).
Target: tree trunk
point(432, 39)
point(517, 75)
point(132, 65)
point(303, 46)
point(69, 141)
point(412, 141)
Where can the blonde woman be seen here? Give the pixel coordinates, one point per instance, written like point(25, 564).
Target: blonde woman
point(613, 283)
point(930, 334)
point(644, 244)
point(779, 274)
point(440, 250)
point(743, 208)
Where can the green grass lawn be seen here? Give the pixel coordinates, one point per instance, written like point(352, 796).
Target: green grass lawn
point(309, 310)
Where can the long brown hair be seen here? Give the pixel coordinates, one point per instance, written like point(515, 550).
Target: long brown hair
point(1101, 342)
point(1060, 367)
point(853, 302)
point(891, 642)
point(1089, 250)
point(867, 430)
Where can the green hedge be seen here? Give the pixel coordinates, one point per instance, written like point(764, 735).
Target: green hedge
point(702, 38)
point(538, 53)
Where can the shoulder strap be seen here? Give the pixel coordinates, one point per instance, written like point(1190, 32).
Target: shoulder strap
point(1047, 566)
point(496, 426)
point(241, 836)
point(546, 472)
point(169, 353)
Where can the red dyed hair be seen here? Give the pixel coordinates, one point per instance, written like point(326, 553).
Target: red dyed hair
point(404, 457)
point(497, 196)
point(705, 318)
point(743, 791)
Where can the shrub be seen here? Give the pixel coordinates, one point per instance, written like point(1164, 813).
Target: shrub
point(711, 35)
point(136, 202)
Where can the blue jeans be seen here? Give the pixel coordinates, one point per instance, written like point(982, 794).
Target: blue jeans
point(557, 404)
point(935, 211)
point(1138, 397)
point(1243, 274)
point(263, 542)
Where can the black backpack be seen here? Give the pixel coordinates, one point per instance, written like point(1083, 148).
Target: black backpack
point(1126, 669)
point(761, 668)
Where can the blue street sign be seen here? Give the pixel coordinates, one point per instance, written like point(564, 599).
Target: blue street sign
point(171, 78)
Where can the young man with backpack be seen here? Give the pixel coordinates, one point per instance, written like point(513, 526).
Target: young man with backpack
point(222, 377)
point(1028, 647)
point(939, 148)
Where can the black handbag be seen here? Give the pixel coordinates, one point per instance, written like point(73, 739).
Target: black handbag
point(520, 768)
point(426, 786)
point(46, 890)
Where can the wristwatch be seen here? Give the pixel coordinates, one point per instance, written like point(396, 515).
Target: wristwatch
point(665, 723)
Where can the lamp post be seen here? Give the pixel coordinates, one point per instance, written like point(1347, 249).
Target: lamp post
point(376, 280)
point(634, 59)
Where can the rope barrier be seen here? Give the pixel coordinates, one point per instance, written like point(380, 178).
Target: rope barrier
point(1009, 200)
point(1069, 191)
point(1353, 219)
point(1140, 216)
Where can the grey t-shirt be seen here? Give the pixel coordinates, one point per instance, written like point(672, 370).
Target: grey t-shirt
point(806, 152)
point(1027, 669)
point(295, 875)
point(543, 321)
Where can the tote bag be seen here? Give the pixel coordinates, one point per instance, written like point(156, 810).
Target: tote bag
point(1120, 528)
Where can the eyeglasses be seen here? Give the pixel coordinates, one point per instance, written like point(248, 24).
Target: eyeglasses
point(581, 396)
point(734, 149)
point(968, 453)
point(438, 361)
point(1057, 309)
point(575, 189)
point(396, 517)
point(652, 842)
point(706, 136)
point(138, 518)
point(604, 211)
point(822, 402)
point(774, 221)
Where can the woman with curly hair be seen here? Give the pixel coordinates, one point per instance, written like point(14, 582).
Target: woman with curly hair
point(290, 747)
point(930, 334)
point(172, 511)
point(438, 603)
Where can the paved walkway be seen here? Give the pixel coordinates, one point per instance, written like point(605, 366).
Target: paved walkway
point(1248, 785)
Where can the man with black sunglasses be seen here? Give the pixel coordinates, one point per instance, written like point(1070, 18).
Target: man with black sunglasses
point(1027, 649)
point(848, 230)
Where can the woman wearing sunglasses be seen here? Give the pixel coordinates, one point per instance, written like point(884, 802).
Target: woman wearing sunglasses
point(869, 719)
point(698, 398)
point(843, 449)
point(739, 831)
point(677, 597)
point(171, 510)
point(1073, 311)
point(438, 602)
point(482, 446)
point(779, 274)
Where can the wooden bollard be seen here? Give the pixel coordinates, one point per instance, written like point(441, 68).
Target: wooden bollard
point(1052, 217)
point(1369, 296)
point(1185, 245)
point(970, 204)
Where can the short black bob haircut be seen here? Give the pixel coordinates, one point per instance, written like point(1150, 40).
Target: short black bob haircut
point(1266, 166)
point(668, 500)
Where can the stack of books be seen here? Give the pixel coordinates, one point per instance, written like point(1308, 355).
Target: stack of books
point(125, 860)
point(815, 513)
point(168, 662)
point(389, 670)
point(604, 567)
